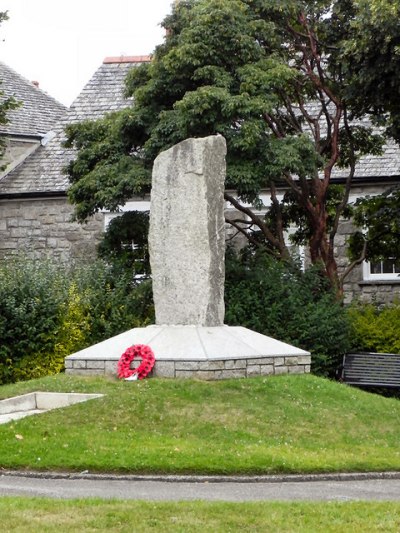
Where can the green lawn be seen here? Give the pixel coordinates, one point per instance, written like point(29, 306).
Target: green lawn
point(20, 515)
point(256, 426)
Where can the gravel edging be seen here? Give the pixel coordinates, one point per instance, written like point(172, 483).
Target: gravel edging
point(288, 478)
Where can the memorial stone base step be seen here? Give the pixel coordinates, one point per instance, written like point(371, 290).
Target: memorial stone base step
point(209, 353)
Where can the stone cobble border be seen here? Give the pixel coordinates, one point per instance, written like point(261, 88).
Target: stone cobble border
point(204, 369)
point(267, 478)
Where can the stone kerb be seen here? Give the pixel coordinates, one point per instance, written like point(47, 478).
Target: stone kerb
point(187, 233)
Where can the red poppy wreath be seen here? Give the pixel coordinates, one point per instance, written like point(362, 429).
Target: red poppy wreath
point(145, 367)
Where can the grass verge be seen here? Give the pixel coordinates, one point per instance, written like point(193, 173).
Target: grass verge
point(284, 424)
point(42, 515)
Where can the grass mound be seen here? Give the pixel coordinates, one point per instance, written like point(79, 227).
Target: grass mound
point(283, 424)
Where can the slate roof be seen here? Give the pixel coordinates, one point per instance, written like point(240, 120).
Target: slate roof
point(380, 167)
point(42, 172)
point(372, 166)
point(38, 113)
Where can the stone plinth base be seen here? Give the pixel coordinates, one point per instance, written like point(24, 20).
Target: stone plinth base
point(195, 352)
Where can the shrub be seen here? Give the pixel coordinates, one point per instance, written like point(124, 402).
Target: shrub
point(114, 301)
point(74, 329)
point(375, 329)
point(279, 300)
point(49, 311)
point(31, 294)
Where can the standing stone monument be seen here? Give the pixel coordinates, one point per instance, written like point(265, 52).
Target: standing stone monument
point(187, 248)
point(187, 233)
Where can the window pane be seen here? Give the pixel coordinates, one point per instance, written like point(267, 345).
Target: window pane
point(376, 268)
point(388, 267)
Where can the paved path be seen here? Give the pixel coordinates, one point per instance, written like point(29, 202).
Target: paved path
point(351, 488)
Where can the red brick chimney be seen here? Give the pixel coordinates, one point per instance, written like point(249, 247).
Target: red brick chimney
point(127, 59)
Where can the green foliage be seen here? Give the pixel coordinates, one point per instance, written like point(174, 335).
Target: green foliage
point(375, 329)
point(369, 57)
point(31, 293)
point(266, 75)
point(105, 173)
point(6, 105)
point(70, 335)
point(222, 69)
point(36, 366)
point(74, 325)
point(281, 301)
point(378, 218)
point(49, 311)
point(293, 212)
point(113, 301)
point(124, 243)
point(358, 141)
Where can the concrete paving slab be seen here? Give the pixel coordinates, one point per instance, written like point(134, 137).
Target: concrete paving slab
point(25, 402)
point(39, 402)
point(16, 415)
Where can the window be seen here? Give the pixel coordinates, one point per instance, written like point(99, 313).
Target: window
point(387, 269)
point(133, 205)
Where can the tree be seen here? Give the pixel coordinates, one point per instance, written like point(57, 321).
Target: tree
point(6, 104)
point(260, 73)
point(370, 59)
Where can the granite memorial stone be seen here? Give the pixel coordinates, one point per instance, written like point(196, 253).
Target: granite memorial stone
point(187, 233)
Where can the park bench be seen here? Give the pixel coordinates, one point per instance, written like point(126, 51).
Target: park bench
point(371, 370)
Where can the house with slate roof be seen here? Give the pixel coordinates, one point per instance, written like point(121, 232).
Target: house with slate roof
point(35, 216)
point(30, 123)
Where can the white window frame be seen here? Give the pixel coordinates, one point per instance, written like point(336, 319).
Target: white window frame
point(133, 205)
point(367, 275)
point(370, 276)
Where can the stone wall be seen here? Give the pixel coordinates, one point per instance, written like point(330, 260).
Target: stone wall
point(43, 228)
point(207, 370)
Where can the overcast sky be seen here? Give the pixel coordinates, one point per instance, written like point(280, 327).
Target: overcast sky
point(61, 44)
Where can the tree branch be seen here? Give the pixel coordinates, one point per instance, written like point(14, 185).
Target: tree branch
point(269, 236)
point(244, 232)
point(349, 179)
point(355, 263)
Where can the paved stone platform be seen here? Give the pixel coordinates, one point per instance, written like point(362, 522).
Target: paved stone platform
point(210, 353)
point(38, 402)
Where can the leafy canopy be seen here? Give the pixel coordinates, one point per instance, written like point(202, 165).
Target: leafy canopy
point(221, 70)
point(267, 76)
point(370, 58)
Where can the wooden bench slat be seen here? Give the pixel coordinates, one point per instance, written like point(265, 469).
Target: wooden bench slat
point(371, 369)
point(375, 370)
